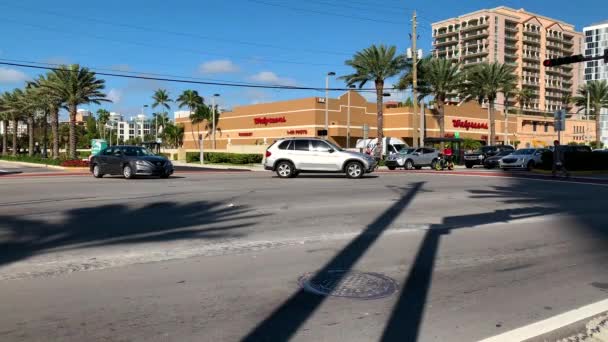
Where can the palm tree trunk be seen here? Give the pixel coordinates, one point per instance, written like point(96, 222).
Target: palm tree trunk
point(598, 130)
point(492, 137)
point(46, 135)
point(5, 137)
point(55, 131)
point(380, 123)
point(30, 133)
point(72, 152)
point(192, 130)
point(15, 123)
point(441, 120)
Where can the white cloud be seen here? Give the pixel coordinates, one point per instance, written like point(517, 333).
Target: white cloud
point(255, 96)
point(220, 66)
point(114, 95)
point(12, 76)
point(272, 78)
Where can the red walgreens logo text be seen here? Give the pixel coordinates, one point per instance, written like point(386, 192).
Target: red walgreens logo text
point(265, 121)
point(467, 124)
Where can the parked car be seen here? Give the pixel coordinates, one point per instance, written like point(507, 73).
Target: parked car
point(416, 159)
point(130, 161)
point(478, 157)
point(290, 156)
point(525, 158)
point(396, 160)
point(494, 161)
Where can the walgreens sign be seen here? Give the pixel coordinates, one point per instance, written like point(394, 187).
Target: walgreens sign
point(469, 124)
point(265, 121)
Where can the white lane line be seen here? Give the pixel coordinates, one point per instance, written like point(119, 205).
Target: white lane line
point(550, 324)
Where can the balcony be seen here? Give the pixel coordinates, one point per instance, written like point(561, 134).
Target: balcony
point(474, 27)
point(511, 55)
point(553, 87)
point(445, 34)
point(555, 38)
point(531, 58)
point(531, 66)
point(552, 95)
point(512, 29)
point(532, 41)
point(532, 33)
point(474, 53)
point(445, 42)
point(470, 63)
point(511, 37)
point(474, 35)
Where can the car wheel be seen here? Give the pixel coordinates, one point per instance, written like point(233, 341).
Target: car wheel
point(391, 167)
point(165, 176)
point(468, 166)
point(530, 166)
point(409, 165)
point(285, 169)
point(127, 172)
point(354, 170)
point(97, 171)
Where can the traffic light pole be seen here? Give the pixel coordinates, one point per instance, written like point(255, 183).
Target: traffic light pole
point(575, 59)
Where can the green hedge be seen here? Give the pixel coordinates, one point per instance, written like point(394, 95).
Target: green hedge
point(225, 158)
point(28, 159)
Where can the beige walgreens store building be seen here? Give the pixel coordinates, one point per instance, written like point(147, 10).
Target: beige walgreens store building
point(262, 124)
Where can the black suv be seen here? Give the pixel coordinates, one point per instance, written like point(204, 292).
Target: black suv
point(479, 156)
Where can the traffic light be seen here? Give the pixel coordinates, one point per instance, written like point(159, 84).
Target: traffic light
point(564, 60)
point(606, 56)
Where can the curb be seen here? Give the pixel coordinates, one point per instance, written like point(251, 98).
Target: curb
point(48, 166)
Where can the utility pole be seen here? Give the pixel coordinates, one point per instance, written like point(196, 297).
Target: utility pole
point(414, 81)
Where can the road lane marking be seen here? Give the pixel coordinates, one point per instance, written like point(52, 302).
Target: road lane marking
point(551, 324)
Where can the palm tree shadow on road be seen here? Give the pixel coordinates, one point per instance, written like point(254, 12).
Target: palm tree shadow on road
point(406, 318)
point(115, 224)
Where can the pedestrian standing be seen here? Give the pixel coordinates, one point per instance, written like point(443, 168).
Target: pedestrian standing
point(559, 164)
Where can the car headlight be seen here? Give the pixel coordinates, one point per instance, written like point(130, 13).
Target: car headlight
point(480, 157)
point(142, 163)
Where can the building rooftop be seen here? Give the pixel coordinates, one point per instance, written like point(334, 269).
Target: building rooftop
point(601, 23)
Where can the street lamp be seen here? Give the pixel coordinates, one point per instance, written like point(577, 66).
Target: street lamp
point(143, 111)
point(213, 116)
point(331, 73)
point(352, 86)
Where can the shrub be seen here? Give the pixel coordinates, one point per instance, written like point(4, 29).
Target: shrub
point(35, 159)
point(75, 163)
point(225, 158)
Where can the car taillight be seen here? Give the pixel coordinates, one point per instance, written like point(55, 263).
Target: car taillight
point(268, 154)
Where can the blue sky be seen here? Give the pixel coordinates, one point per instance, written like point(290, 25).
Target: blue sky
point(257, 41)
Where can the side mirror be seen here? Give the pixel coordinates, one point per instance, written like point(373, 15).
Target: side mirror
point(331, 150)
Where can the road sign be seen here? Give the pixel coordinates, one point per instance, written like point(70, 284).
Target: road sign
point(560, 120)
point(97, 145)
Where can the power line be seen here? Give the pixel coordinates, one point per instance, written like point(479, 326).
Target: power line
point(223, 84)
point(176, 33)
point(325, 13)
point(157, 46)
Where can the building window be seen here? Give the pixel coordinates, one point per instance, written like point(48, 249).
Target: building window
point(546, 128)
point(534, 126)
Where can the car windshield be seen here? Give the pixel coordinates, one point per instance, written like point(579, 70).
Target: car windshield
point(504, 153)
point(524, 151)
point(334, 146)
point(407, 150)
point(133, 151)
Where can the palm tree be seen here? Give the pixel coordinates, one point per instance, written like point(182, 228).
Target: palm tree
point(376, 64)
point(161, 98)
point(200, 114)
point(13, 103)
point(31, 106)
point(53, 104)
point(523, 96)
point(75, 85)
point(174, 134)
point(597, 91)
point(4, 116)
point(442, 78)
point(103, 116)
point(192, 100)
point(161, 119)
point(567, 99)
point(209, 125)
point(488, 80)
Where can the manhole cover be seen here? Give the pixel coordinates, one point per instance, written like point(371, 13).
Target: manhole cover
point(349, 284)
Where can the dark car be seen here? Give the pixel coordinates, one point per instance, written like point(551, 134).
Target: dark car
point(478, 157)
point(492, 162)
point(130, 161)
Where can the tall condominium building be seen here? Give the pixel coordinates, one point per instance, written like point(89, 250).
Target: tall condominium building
point(521, 39)
point(596, 40)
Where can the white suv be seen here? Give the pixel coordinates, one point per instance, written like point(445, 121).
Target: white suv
point(289, 157)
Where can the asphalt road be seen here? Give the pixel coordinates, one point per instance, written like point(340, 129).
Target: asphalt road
point(219, 256)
